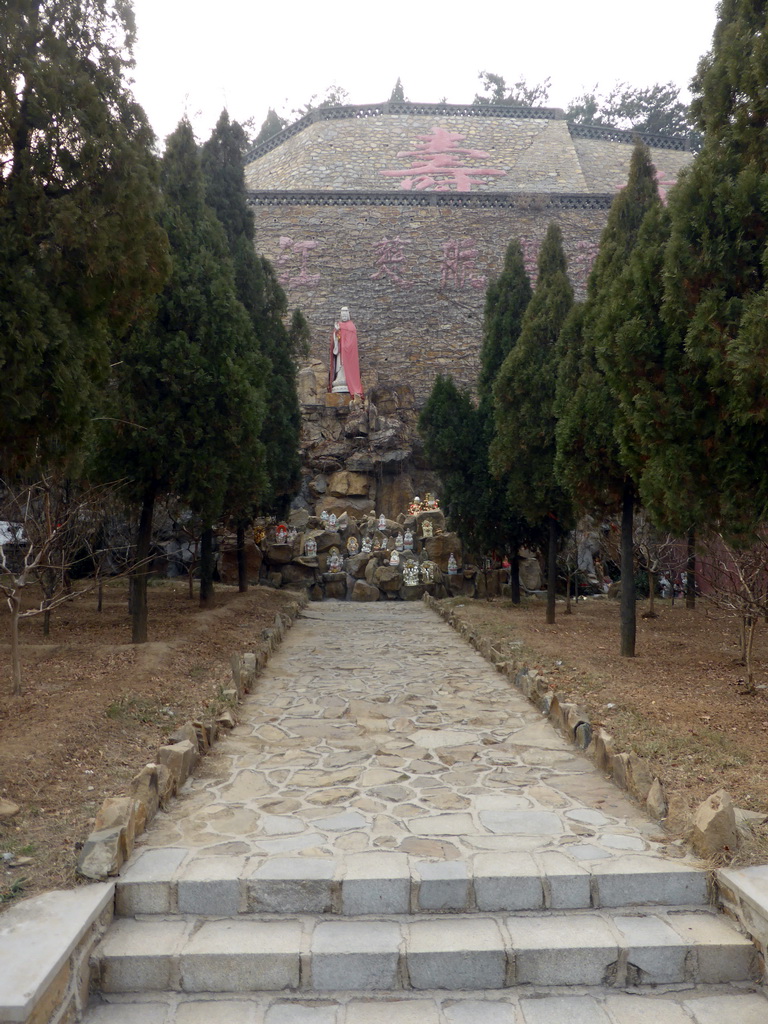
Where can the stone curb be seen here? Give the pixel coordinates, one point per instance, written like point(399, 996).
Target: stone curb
point(741, 896)
point(629, 771)
point(46, 946)
point(121, 819)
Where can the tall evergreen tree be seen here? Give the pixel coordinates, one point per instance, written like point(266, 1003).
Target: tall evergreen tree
point(656, 108)
point(589, 459)
point(398, 93)
point(506, 301)
point(453, 445)
point(272, 125)
point(523, 449)
point(261, 294)
point(189, 406)
point(81, 253)
point(711, 470)
point(458, 430)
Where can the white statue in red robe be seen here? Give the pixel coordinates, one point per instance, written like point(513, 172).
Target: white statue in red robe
point(344, 376)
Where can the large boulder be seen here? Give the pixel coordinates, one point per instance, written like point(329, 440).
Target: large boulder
point(530, 573)
point(336, 586)
point(356, 507)
point(356, 565)
point(440, 548)
point(278, 554)
point(325, 539)
point(387, 578)
point(295, 572)
point(363, 591)
point(715, 833)
point(354, 485)
point(228, 558)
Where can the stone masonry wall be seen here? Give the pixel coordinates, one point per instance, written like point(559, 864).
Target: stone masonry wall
point(526, 155)
point(414, 277)
point(404, 213)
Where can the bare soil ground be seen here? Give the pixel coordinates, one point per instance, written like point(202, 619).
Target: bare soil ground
point(96, 707)
point(680, 703)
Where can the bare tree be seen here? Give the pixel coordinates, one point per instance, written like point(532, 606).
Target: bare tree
point(736, 580)
point(568, 560)
point(46, 532)
point(656, 552)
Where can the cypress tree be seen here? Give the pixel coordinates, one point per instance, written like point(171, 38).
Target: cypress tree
point(589, 457)
point(523, 448)
point(716, 275)
point(265, 301)
point(81, 253)
point(189, 405)
point(506, 301)
point(458, 431)
point(453, 444)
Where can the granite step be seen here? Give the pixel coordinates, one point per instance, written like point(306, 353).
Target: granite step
point(321, 953)
point(701, 1004)
point(173, 880)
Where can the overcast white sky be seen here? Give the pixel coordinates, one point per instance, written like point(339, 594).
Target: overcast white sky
point(198, 56)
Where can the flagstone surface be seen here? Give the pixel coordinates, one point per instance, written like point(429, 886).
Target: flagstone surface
point(375, 728)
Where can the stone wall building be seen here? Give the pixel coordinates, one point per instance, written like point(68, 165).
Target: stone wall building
point(403, 212)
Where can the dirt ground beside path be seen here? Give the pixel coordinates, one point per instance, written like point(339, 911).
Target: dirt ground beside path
point(680, 702)
point(95, 708)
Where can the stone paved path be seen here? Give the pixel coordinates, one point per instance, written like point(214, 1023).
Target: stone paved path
point(393, 835)
point(376, 728)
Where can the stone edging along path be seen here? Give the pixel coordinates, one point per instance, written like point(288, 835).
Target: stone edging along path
point(121, 819)
point(742, 892)
point(46, 942)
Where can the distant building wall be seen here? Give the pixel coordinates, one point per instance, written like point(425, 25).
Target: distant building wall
point(404, 213)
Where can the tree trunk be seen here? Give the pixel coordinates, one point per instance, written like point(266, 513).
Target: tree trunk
point(628, 601)
point(514, 578)
point(100, 597)
point(744, 622)
point(651, 594)
point(14, 602)
point(568, 585)
point(551, 570)
point(242, 568)
point(206, 568)
point(141, 571)
point(690, 571)
point(753, 620)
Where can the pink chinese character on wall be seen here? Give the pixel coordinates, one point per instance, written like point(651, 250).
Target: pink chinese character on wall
point(389, 256)
point(584, 257)
point(664, 183)
point(441, 165)
point(294, 258)
point(530, 247)
point(459, 264)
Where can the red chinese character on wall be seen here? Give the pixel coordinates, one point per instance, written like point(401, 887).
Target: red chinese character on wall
point(389, 256)
point(664, 183)
point(584, 257)
point(459, 264)
point(530, 247)
point(294, 257)
point(440, 164)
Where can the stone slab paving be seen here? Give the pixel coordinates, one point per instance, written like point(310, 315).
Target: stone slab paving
point(385, 771)
point(579, 1005)
point(379, 745)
